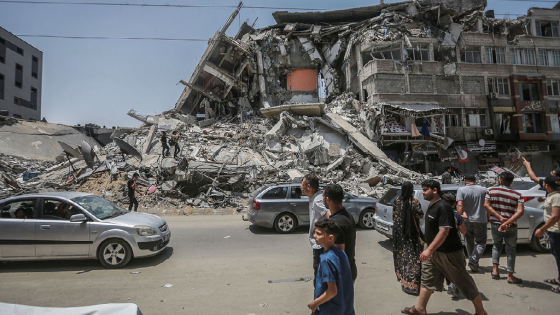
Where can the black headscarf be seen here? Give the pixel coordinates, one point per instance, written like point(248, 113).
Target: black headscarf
point(407, 192)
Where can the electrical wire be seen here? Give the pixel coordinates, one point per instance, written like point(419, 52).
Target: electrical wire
point(118, 38)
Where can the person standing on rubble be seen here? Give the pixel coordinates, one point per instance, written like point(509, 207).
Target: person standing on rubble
point(470, 205)
point(164, 145)
point(131, 189)
point(317, 210)
point(175, 140)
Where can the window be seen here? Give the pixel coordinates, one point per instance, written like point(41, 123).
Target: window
point(19, 50)
point(276, 193)
point(552, 87)
point(296, 193)
point(21, 209)
point(472, 54)
point(529, 92)
point(387, 52)
point(495, 55)
point(19, 76)
point(1, 86)
point(58, 210)
point(549, 58)
point(2, 50)
point(476, 117)
point(533, 123)
point(453, 118)
point(505, 123)
point(499, 86)
point(35, 67)
point(522, 56)
point(33, 97)
point(554, 123)
point(547, 28)
point(419, 52)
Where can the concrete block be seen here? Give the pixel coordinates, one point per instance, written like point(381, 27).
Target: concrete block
point(335, 164)
point(207, 122)
point(294, 174)
point(334, 150)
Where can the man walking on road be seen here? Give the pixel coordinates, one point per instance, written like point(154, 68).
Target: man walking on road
point(443, 258)
point(317, 210)
point(505, 207)
point(346, 240)
point(470, 205)
point(131, 184)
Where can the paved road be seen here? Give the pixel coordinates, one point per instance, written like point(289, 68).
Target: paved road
point(222, 265)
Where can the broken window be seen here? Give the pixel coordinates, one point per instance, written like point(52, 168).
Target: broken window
point(453, 118)
point(472, 54)
point(522, 56)
point(552, 87)
point(529, 92)
point(500, 86)
point(547, 28)
point(366, 57)
point(19, 76)
point(387, 52)
point(419, 52)
point(495, 55)
point(533, 123)
point(35, 67)
point(476, 117)
point(549, 58)
point(1, 86)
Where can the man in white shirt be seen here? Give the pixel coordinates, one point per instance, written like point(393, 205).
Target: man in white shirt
point(317, 210)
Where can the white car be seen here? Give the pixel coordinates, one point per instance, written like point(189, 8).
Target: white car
point(530, 191)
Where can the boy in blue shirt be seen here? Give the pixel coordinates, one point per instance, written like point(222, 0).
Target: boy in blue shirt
point(334, 291)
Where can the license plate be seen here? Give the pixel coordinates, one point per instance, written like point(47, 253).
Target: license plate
point(383, 226)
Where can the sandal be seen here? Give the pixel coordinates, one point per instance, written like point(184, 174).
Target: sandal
point(552, 281)
point(515, 281)
point(555, 290)
point(495, 277)
point(408, 310)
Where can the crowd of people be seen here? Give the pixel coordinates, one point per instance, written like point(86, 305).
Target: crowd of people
point(424, 260)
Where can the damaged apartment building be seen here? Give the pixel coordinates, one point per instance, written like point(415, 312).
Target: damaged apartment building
point(433, 83)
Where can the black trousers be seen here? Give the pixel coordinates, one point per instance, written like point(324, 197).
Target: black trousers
point(176, 150)
point(316, 260)
point(164, 147)
point(134, 202)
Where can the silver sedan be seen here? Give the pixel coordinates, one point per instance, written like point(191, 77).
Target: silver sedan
point(74, 225)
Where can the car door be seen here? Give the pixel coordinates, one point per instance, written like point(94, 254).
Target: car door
point(17, 228)
point(275, 200)
point(55, 235)
point(350, 204)
point(299, 203)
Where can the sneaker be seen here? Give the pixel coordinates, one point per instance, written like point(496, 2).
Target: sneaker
point(474, 268)
point(453, 291)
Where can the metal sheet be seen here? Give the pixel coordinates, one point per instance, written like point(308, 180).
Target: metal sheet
point(69, 150)
point(88, 154)
point(127, 148)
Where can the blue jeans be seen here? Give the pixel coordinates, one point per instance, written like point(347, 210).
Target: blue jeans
point(554, 239)
point(509, 237)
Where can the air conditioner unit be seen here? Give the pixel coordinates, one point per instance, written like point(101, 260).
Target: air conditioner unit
point(488, 132)
point(493, 95)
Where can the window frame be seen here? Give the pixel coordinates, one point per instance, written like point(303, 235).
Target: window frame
point(495, 55)
point(495, 83)
point(274, 188)
point(540, 128)
point(550, 85)
point(521, 56)
point(482, 114)
point(473, 51)
point(419, 50)
point(34, 214)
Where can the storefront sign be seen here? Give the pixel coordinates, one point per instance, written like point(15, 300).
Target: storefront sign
point(535, 147)
point(489, 146)
point(534, 105)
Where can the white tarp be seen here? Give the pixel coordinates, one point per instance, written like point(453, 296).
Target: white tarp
point(102, 309)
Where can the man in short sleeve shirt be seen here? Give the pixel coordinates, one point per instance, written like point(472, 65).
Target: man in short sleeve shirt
point(317, 210)
point(443, 258)
point(470, 204)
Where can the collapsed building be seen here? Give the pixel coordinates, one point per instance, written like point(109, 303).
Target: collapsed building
point(365, 97)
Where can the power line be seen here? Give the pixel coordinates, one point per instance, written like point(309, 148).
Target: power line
point(119, 38)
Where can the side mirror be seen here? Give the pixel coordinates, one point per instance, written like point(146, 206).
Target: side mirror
point(78, 218)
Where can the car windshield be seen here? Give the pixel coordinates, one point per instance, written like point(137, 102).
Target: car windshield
point(522, 185)
point(99, 207)
point(390, 196)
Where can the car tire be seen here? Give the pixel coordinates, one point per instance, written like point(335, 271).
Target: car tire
point(285, 223)
point(114, 253)
point(366, 221)
point(540, 244)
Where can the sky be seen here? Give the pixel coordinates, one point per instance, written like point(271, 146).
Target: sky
point(99, 81)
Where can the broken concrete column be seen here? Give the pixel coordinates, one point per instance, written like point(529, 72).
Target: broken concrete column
point(262, 82)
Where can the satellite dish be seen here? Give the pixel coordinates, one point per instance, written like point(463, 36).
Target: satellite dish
point(69, 150)
point(88, 154)
point(127, 148)
point(481, 142)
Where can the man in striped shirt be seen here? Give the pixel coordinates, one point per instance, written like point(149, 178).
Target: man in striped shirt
point(505, 207)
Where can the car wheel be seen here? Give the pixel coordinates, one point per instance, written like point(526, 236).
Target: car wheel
point(366, 219)
point(114, 253)
point(540, 244)
point(285, 223)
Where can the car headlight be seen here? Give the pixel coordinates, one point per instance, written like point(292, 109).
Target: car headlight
point(145, 230)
